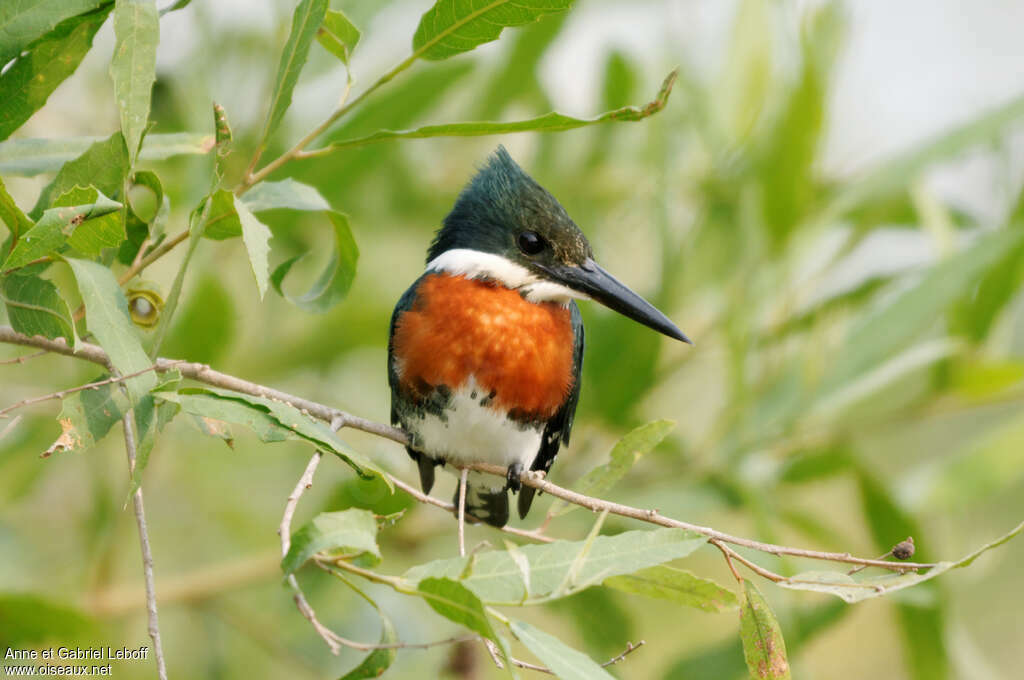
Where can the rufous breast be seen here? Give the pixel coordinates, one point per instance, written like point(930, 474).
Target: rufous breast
point(519, 352)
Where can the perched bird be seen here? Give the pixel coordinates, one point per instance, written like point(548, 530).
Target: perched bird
point(486, 347)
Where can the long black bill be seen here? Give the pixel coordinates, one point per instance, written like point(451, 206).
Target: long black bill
point(590, 279)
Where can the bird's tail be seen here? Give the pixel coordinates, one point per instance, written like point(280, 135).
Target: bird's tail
point(483, 502)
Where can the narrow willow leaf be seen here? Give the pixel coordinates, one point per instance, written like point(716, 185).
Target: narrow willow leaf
point(626, 452)
point(22, 22)
point(180, 4)
point(222, 222)
point(457, 603)
point(256, 237)
point(213, 414)
point(133, 67)
point(883, 332)
point(334, 282)
point(94, 233)
point(103, 165)
point(549, 122)
point(676, 585)
point(34, 307)
point(32, 156)
point(87, 416)
point(284, 195)
point(763, 646)
point(11, 215)
point(338, 35)
point(27, 620)
point(285, 416)
point(895, 175)
point(30, 79)
point(54, 228)
point(106, 312)
point(379, 660)
point(151, 416)
point(352, 532)
point(561, 659)
point(308, 16)
point(451, 27)
point(497, 577)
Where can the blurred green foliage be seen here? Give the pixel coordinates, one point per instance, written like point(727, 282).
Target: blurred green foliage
point(842, 413)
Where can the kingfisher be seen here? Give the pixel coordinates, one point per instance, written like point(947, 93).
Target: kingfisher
point(486, 347)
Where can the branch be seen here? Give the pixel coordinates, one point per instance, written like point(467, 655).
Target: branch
point(205, 374)
point(60, 394)
point(630, 648)
point(147, 553)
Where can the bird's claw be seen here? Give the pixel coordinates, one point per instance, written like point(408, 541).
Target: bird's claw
point(513, 483)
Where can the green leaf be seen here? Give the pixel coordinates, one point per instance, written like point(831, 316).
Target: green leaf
point(457, 603)
point(133, 67)
point(352, 531)
point(150, 418)
point(284, 195)
point(676, 585)
point(222, 223)
point(28, 620)
point(451, 27)
point(34, 307)
point(285, 416)
point(87, 416)
point(95, 233)
point(334, 282)
point(896, 174)
point(883, 332)
point(856, 589)
point(22, 22)
point(53, 230)
point(626, 452)
point(256, 237)
point(338, 35)
point(549, 122)
point(379, 660)
point(106, 312)
point(497, 578)
point(30, 79)
point(11, 215)
point(213, 414)
point(103, 165)
point(562, 660)
point(308, 16)
point(763, 646)
point(33, 156)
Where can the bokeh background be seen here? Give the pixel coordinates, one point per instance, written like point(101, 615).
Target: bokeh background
point(808, 207)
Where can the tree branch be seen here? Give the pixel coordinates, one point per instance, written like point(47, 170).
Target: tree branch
point(205, 374)
point(147, 553)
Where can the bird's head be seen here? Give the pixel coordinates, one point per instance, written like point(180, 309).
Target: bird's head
point(507, 228)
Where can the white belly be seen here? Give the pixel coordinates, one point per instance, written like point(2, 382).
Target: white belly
point(470, 433)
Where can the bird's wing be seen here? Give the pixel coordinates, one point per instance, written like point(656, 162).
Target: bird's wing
point(399, 401)
point(558, 429)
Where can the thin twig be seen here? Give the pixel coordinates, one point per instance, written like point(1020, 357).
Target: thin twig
point(285, 531)
point(205, 374)
point(147, 553)
point(731, 554)
point(60, 394)
point(23, 359)
point(462, 512)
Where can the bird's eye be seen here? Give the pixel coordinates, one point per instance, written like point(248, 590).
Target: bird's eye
point(530, 242)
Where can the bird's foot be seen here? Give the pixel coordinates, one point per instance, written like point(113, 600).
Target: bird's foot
point(513, 483)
